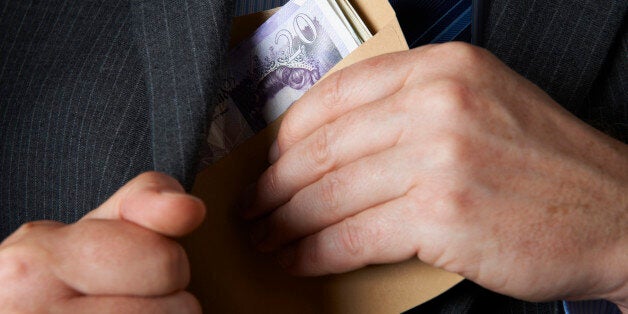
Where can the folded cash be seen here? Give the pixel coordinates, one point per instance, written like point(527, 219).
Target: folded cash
point(348, 13)
point(281, 60)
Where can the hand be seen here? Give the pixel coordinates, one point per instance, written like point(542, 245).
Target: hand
point(117, 259)
point(445, 153)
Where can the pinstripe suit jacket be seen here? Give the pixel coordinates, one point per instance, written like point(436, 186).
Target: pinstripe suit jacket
point(94, 92)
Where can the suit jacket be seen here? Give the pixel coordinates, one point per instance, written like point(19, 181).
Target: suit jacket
point(94, 92)
point(577, 51)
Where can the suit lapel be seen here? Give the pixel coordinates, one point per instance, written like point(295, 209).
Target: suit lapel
point(182, 44)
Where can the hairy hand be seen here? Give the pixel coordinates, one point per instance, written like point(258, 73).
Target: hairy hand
point(117, 259)
point(445, 153)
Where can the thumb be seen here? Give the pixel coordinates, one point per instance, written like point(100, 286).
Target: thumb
point(154, 201)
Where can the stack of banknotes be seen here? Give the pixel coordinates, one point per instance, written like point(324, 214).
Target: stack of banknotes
point(277, 64)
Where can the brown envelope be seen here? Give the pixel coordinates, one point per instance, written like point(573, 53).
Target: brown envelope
point(229, 276)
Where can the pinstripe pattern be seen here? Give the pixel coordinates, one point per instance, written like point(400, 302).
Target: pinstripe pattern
point(179, 78)
point(94, 92)
point(591, 307)
point(91, 90)
point(244, 7)
point(606, 107)
point(468, 297)
point(46, 104)
point(562, 46)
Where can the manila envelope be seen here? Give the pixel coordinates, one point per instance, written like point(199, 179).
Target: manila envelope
point(229, 276)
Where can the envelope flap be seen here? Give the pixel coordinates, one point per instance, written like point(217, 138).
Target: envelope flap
point(375, 14)
point(388, 39)
point(230, 277)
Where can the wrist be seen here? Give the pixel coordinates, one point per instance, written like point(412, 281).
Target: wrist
point(616, 270)
point(619, 293)
point(610, 255)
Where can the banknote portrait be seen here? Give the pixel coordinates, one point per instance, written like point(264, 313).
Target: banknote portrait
point(288, 69)
point(275, 66)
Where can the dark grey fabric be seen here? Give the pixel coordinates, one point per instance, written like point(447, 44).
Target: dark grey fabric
point(574, 50)
point(93, 93)
point(468, 297)
point(606, 106)
point(182, 45)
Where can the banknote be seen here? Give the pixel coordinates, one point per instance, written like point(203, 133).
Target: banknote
point(271, 69)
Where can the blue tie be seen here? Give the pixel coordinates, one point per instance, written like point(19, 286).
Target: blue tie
point(423, 21)
point(434, 21)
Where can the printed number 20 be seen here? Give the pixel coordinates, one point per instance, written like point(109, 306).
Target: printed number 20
point(300, 23)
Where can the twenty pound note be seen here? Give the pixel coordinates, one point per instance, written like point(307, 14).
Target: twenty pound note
point(271, 69)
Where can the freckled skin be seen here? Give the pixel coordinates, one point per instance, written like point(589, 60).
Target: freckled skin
point(477, 171)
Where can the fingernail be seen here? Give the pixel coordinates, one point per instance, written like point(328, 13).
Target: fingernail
point(273, 153)
point(258, 232)
point(167, 190)
point(286, 257)
point(245, 200)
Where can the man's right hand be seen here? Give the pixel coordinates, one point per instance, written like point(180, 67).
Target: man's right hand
point(117, 259)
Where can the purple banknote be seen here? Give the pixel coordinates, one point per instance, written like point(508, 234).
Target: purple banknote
point(271, 69)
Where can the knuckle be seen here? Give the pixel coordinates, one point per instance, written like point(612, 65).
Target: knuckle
point(321, 151)
point(270, 180)
point(334, 91)
point(351, 239)
point(461, 199)
point(18, 262)
point(377, 63)
point(150, 176)
point(27, 227)
point(461, 53)
point(189, 304)
point(157, 179)
point(173, 263)
point(450, 97)
point(455, 184)
point(455, 205)
point(281, 218)
point(329, 188)
point(24, 230)
point(453, 151)
point(337, 91)
point(89, 235)
point(288, 130)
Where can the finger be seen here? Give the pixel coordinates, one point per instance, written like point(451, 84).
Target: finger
point(39, 227)
point(340, 194)
point(374, 79)
point(154, 201)
point(25, 270)
point(382, 234)
point(109, 257)
point(360, 133)
point(180, 302)
point(339, 93)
